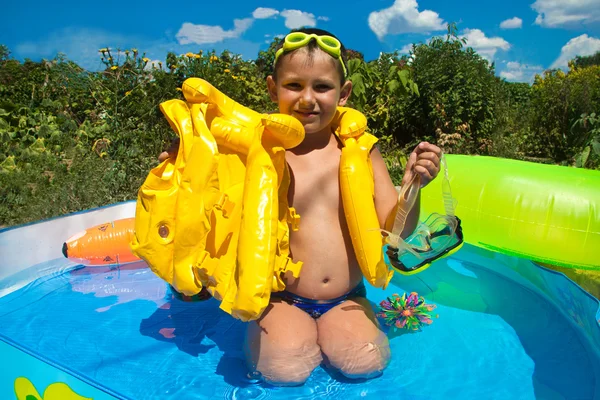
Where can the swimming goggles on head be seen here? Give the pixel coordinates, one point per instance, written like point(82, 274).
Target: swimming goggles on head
point(437, 237)
point(327, 43)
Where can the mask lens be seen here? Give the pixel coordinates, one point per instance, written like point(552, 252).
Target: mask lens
point(442, 242)
point(430, 241)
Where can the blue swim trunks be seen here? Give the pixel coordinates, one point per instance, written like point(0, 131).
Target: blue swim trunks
point(316, 308)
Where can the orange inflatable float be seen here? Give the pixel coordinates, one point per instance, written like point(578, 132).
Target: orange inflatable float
point(104, 244)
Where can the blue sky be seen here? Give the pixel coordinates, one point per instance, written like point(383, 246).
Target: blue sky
point(521, 37)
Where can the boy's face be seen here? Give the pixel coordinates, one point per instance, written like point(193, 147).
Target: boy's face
point(308, 88)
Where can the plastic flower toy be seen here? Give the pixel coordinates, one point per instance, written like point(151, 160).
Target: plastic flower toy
point(410, 313)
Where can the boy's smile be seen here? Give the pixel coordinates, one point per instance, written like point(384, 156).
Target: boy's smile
point(307, 86)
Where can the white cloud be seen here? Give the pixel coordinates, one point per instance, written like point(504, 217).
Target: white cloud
point(513, 23)
point(79, 45)
point(485, 46)
point(262, 13)
point(201, 34)
point(406, 49)
point(206, 34)
point(295, 19)
point(155, 64)
point(404, 17)
point(580, 46)
point(558, 13)
point(517, 72)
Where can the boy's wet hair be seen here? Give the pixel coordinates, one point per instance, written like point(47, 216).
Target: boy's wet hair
point(310, 47)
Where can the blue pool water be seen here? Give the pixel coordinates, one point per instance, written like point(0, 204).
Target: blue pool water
point(121, 328)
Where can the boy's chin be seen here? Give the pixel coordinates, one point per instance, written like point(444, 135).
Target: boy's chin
point(313, 129)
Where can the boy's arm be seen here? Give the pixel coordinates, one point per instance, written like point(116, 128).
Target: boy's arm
point(425, 161)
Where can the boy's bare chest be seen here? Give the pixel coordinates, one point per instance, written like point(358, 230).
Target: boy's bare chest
point(315, 182)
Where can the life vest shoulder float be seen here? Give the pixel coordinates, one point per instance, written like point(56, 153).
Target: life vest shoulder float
point(358, 190)
point(217, 216)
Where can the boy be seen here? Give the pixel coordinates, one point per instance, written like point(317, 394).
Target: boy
point(323, 315)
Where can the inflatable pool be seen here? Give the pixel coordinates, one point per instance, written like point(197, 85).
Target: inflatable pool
point(545, 213)
point(507, 328)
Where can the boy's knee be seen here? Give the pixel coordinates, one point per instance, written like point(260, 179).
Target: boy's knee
point(292, 376)
point(288, 366)
point(365, 361)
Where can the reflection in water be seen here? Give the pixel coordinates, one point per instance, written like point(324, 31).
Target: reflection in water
point(126, 283)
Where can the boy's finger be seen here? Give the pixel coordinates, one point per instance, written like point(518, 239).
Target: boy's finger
point(429, 157)
point(412, 158)
point(171, 152)
point(163, 156)
point(425, 147)
point(430, 166)
point(407, 177)
point(426, 176)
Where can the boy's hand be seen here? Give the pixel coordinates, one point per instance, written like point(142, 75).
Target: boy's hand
point(425, 161)
point(171, 152)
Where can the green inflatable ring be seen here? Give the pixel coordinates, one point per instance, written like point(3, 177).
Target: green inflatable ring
point(545, 213)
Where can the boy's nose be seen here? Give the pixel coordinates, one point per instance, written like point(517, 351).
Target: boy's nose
point(307, 97)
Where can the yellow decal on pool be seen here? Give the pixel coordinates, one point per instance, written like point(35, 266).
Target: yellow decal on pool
point(24, 390)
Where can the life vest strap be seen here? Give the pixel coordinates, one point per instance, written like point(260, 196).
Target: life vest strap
point(225, 205)
point(293, 218)
point(284, 264)
point(203, 270)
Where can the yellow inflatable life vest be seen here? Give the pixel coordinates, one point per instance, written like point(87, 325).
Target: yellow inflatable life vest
point(217, 216)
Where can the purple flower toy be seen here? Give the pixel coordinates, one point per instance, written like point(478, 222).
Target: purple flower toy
point(409, 312)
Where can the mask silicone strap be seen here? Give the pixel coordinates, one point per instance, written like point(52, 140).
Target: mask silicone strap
point(406, 201)
point(449, 202)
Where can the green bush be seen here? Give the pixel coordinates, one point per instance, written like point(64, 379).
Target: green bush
point(513, 121)
point(558, 100)
point(379, 89)
point(457, 96)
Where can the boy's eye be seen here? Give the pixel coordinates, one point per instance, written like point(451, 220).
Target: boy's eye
point(323, 87)
point(292, 85)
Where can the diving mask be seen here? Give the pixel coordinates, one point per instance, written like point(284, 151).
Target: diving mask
point(438, 236)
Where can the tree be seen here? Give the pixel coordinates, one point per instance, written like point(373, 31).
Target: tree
point(4, 53)
point(558, 100)
point(266, 58)
point(457, 101)
point(587, 61)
